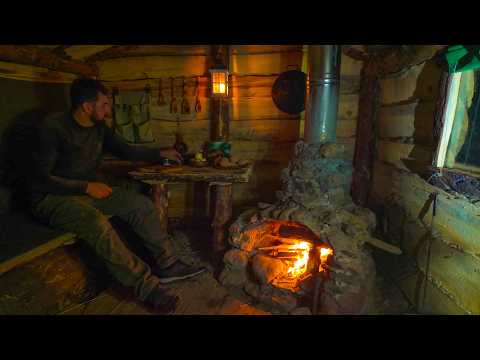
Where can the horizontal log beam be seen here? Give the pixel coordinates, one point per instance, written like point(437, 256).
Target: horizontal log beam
point(355, 53)
point(113, 52)
point(125, 51)
point(400, 58)
point(31, 55)
point(81, 52)
point(15, 71)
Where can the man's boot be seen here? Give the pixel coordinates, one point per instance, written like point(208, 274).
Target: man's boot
point(177, 271)
point(160, 300)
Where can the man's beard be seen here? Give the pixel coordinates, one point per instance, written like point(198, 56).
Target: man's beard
point(94, 119)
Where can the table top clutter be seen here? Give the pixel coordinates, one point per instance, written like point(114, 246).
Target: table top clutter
point(188, 173)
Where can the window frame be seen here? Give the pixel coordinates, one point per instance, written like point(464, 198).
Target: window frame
point(447, 117)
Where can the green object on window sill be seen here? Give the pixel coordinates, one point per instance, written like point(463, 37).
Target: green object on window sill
point(460, 58)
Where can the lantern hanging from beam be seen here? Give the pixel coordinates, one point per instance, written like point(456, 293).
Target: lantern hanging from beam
point(219, 78)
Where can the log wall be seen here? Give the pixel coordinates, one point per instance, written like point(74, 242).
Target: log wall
point(258, 129)
point(405, 146)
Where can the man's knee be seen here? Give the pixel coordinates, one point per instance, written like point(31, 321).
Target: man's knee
point(138, 202)
point(99, 224)
point(89, 224)
point(81, 218)
point(99, 233)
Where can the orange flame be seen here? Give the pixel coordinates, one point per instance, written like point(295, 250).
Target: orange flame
point(299, 267)
point(324, 254)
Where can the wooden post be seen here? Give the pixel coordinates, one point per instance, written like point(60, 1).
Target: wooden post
point(216, 125)
point(160, 200)
point(374, 68)
point(219, 129)
point(222, 203)
point(365, 138)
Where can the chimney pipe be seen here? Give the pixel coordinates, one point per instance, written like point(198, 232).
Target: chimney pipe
point(323, 85)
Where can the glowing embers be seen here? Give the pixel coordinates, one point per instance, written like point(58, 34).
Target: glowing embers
point(299, 267)
point(295, 255)
point(276, 254)
point(300, 264)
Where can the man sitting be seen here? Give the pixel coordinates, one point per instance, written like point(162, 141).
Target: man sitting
point(67, 192)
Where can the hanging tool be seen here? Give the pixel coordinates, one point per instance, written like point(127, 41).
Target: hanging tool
point(161, 100)
point(180, 145)
point(185, 104)
point(173, 100)
point(145, 100)
point(431, 200)
point(198, 106)
point(115, 93)
point(145, 105)
point(316, 295)
point(320, 278)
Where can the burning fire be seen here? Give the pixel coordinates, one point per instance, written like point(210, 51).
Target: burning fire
point(296, 255)
point(324, 254)
point(300, 265)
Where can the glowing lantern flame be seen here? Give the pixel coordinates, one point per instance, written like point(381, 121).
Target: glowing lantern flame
point(299, 267)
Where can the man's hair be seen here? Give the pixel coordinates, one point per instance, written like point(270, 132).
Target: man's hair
point(84, 90)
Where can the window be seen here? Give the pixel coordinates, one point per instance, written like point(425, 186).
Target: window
point(459, 146)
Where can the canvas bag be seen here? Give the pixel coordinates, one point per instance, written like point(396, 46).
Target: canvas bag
point(133, 120)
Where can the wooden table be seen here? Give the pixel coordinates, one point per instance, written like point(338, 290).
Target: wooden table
point(221, 179)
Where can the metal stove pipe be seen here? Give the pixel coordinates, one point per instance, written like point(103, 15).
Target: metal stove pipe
point(323, 87)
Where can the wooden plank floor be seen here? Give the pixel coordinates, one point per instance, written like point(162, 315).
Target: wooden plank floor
point(205, 296)
point(202, 295)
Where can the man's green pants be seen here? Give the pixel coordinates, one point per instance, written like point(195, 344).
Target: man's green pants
point(88, 218)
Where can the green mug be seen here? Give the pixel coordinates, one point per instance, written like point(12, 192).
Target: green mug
point(221, 146)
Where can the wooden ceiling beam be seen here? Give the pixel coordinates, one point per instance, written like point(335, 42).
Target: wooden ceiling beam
point(402, 57)
point(125, 51)
point(111, 53)
point(354, 53)
point(82, 52)
point(31, 55)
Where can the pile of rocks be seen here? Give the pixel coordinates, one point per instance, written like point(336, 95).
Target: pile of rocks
point(315, 193)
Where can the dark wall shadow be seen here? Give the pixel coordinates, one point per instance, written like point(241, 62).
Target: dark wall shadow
point(427, 92)
point(18, 145)
point(23, 106)
point(469, 151)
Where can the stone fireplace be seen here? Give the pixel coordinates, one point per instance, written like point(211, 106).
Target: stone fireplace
point(282, 253)
point(305, 253)
point(307, 250)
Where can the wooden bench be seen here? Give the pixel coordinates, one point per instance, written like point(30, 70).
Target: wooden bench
point(22, 240)
point(39, 274)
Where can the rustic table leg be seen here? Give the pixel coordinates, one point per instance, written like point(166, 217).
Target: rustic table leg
point(222, 214)
point(160, 200)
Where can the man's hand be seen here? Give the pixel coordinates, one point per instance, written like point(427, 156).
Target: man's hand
point(98, 190)
point(171, 154)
